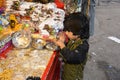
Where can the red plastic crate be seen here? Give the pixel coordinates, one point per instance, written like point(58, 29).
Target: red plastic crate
point(52, 71)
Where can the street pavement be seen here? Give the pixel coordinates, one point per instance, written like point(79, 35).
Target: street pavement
point(104, 54)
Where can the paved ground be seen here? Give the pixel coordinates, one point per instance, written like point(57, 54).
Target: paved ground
point(104, 54)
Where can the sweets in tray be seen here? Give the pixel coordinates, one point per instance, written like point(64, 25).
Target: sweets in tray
point(21, 63)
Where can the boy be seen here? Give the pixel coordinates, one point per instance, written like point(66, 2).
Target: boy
point(74, 51)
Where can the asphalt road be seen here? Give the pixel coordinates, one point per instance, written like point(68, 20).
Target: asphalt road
point(104, 54)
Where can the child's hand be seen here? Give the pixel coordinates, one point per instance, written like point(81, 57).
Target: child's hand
point(61, 36)
point(59, 43)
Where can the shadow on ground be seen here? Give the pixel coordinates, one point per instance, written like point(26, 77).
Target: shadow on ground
point(111, 72)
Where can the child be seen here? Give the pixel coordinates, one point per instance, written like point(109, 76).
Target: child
point(74, 51)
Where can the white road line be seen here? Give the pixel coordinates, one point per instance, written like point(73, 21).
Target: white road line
point(114, 39)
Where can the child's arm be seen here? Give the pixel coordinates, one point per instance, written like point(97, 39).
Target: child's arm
point(77, 55)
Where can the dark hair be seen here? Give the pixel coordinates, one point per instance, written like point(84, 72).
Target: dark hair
point(78, 24)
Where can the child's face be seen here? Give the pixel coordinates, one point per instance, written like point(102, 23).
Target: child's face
point(70, 35)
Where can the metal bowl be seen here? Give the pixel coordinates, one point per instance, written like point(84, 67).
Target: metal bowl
point(21, 39)
point(38, 43)
point(51, 46)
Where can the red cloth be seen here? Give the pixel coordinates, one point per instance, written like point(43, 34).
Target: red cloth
point(59, 4)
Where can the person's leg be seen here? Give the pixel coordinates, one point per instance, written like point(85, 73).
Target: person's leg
point(92, 16)
point(84, 6)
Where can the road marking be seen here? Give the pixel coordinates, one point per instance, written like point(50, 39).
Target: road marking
point(114, 39)
point(93, 53)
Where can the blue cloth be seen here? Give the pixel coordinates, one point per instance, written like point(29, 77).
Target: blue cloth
point(91, 13)
point(92, 17)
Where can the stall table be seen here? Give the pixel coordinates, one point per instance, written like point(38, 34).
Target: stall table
point(18, 64)
point(49, 71)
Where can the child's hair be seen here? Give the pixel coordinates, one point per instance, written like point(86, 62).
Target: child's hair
point(78, 24)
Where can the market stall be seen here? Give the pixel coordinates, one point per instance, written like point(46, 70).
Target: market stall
point(26, 51)
point(26, 31)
